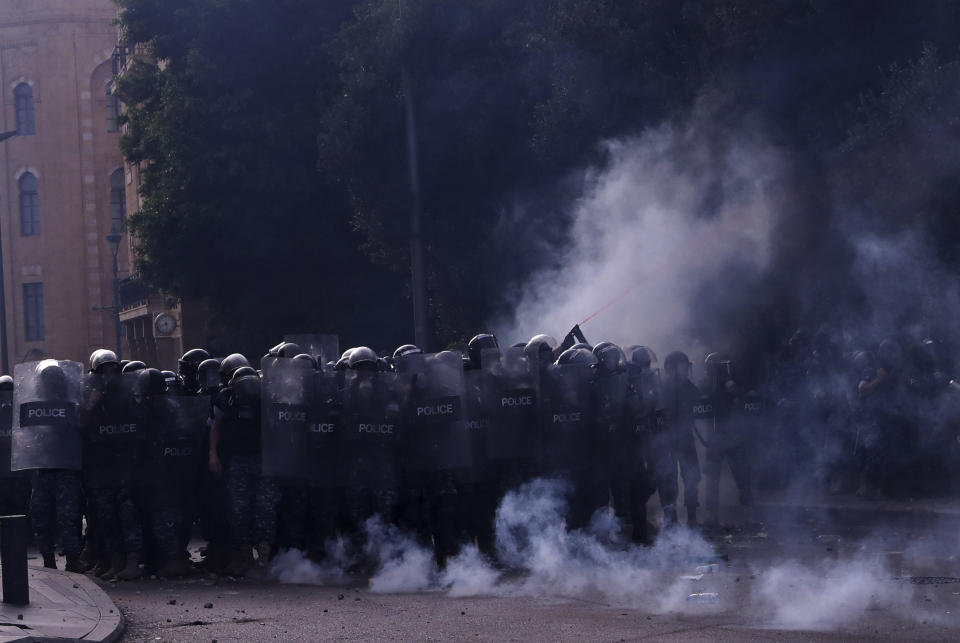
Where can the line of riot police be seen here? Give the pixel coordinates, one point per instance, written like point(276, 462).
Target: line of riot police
point(305, 450)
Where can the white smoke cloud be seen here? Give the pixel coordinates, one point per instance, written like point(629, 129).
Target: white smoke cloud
point(673, 210)
point(830, 594)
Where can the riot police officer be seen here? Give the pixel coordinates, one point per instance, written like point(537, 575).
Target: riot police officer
point(235, 452)
point(56, 500)
point(729, 441)
point(673, 440)
point(188, 365)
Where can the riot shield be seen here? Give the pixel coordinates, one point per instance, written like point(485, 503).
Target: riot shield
point(178, 428)
point(325, 348)
point(610, 407)
point(477, 423)
point(511, 400)
point(435, 434)
point(704, 419)
point(567, 421)
point(287, 388)
point(115, 430)
point(324, 432)
point(6, 432)
point(46, 426)
point(373, 423)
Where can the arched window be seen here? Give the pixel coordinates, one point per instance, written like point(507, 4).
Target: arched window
point(23, 97)
point(113, 110)
point(29, 205)
point(118, 201)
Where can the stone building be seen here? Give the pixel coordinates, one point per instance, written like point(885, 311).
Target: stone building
point(63, 186)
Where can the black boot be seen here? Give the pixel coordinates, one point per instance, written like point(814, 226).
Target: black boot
point(49, 560)
point(73, 563)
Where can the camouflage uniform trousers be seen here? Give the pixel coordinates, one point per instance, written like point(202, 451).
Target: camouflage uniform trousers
point(429, 508)
point(253, 501)
point(169, 518)
point(118, 520)
point(55, 509)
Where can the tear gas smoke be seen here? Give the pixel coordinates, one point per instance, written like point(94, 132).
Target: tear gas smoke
point(677, 210)
point(831, 594)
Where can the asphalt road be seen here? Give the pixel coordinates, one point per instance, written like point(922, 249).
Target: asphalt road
point(806, 575)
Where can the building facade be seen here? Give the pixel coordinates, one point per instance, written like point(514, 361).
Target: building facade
point(64, 186)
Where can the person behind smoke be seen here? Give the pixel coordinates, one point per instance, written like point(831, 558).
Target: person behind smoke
point(729, 440)
point(370, 462)
point(479, 488)
point(673, 443)
point(566, 442)
point(615, 463)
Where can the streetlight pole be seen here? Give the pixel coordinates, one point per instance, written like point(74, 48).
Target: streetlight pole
point(114, 240)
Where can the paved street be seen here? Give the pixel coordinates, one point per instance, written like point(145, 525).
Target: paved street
point(868, 575)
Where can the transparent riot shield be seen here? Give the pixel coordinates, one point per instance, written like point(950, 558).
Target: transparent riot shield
point(568, 418)
point(325, 348)
point(6, 431)
point(322, 447)
point(435, 436)
point(178, 430)
point(115, 430)
point(512, 402)
point(288, 386)
point(476, 423)
point(610, 391)
point(704, 419)
point(373, 424)
point(46, 424)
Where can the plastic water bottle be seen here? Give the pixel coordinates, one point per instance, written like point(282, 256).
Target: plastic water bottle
point(704, 598)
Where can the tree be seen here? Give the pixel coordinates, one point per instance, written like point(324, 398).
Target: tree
point(223, 120)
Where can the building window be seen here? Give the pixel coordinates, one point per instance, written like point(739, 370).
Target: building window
point(33, 311)
point(23, 97)
point(118, 201)
point(113, 110)
point(29, 205)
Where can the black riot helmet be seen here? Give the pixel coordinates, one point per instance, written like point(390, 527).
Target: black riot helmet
point(208, 375)
point(344, 362)
point(134, 366)
point(641, 356)
point(719, 369)
point(52, 381)
point(583, 345)
point(103, 361)
point(890, 355)
point(152, 381)
point(191, 360)
point(480, 343)
point(580, 356)
point(406, 349)
point(362, 358)
point(610, 359)
point(6, 383)
point(289, 349)
point(677, 366)
point(306, 359)
point(241, 373)
point(171, 379)
point(230, 364)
